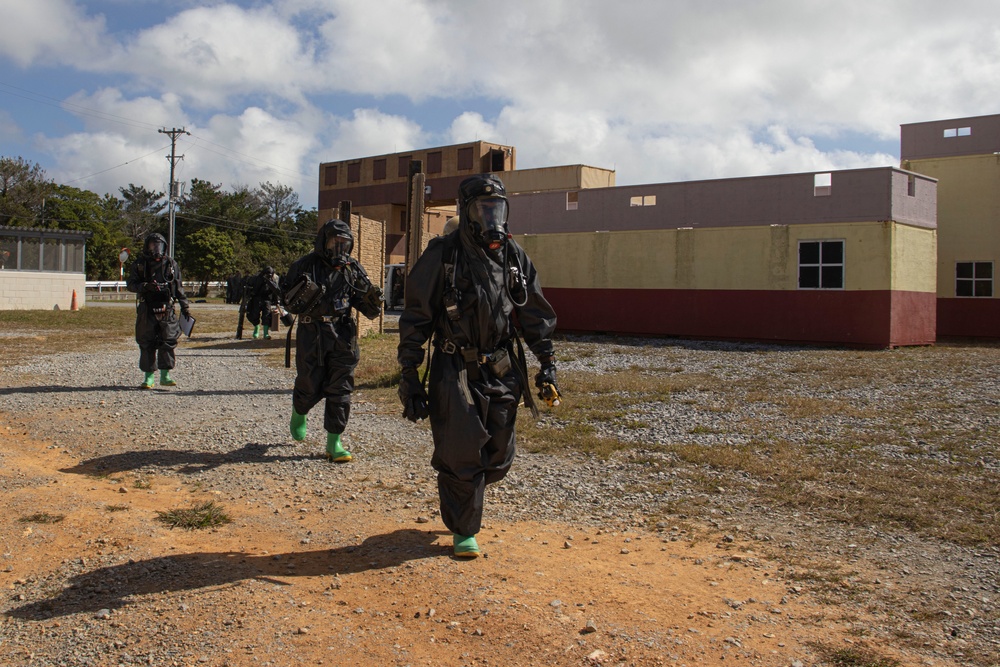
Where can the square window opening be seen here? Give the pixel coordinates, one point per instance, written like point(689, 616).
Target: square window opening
point(822, 184)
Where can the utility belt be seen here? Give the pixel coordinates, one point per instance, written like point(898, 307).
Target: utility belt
point(498, 361)
point(318, 319)
point(158, 307)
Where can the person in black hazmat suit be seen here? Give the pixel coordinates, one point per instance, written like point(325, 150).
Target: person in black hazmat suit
point(264, 295)
point(326, 339)
point(156, 280)
point(466, 291)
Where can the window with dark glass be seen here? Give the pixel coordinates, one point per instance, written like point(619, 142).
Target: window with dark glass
point(821, 265)
point(974, 279)
point(378, 170)
point(434, 162)
point(330, 175)
point(404, 166)
point(354, 172)
point(465, 158)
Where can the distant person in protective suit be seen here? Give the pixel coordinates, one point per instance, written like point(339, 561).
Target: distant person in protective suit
point(465, 292)
point(264, 295)
point(156, 280)
point(323, 288)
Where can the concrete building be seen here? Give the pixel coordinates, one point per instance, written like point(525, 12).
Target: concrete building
point(377, 186)
point(845, 257)
point(963, 154)
point(41, 269)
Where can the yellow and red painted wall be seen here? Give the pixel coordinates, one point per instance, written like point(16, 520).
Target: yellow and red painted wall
point(719, 259)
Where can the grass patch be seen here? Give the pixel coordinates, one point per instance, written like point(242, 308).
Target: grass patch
point(854, 656)
point(202, 515)
point(42, 517)
point(116, 508)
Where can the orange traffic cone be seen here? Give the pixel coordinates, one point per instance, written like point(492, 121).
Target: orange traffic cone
point(72, 304)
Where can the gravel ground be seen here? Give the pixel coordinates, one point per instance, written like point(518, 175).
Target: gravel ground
point(229, 411)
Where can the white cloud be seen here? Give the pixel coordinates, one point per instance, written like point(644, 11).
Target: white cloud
point(371, 132)
point(48, 32)
point(657, 90)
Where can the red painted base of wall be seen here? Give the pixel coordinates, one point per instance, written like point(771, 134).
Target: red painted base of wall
point(974, 318)
point(865, 319)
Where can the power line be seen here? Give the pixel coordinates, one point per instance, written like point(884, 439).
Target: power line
point(115, 167)
point(130, 122)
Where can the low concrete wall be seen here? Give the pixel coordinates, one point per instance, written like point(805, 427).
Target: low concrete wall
point(41, 290)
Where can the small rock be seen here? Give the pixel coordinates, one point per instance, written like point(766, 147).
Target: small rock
point(103, 614)
point(589, 628)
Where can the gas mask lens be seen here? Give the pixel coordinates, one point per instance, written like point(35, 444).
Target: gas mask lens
point(338, 247)
point(156, 248)
point(490, 213)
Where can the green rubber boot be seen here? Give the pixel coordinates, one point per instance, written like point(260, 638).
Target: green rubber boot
point(465, 546)
point(297, 426)
point(267, 335)
point(148, 382)
point(256, 331)
point(165, 379)
point(335, 450)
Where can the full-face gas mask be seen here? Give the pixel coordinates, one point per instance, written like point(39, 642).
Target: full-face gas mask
point(156, 247)
point(490, 214)
point(483, 201)
point(338, 249)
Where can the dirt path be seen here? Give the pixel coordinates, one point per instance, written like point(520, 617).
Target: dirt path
point(301, 579)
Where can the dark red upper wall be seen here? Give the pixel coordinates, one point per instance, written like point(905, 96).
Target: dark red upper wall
point(856, 195)
point(927, 140)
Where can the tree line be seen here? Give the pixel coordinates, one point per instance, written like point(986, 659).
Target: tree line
point(217, 233)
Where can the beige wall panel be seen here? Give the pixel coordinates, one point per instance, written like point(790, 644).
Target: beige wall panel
point(756, 258)
point(914, 259)
point(968, 212)
point(569, 177)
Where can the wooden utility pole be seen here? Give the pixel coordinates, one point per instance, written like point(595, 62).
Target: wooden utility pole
point(414, 213)
point(173, 157)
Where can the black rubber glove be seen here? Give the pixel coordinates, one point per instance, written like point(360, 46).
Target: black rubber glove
point(545, 380)
point(150, 287)
point(412, 395)
point(186, 312)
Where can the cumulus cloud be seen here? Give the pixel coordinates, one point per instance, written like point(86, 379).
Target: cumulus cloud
point(658, 91)
point(370, 132)
point(48, 32)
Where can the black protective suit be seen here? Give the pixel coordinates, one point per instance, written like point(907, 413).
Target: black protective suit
point(472, 410)
point(326, 339)
point(263, 296)
point(156, 279)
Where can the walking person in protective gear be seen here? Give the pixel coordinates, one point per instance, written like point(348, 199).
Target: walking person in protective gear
point(156, 280)
point(263, 297)
point(326, 339)
point(465, 293)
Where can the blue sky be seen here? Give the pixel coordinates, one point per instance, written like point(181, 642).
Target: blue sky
point(659, 90)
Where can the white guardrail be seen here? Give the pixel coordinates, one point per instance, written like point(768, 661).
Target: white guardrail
point(119, 285)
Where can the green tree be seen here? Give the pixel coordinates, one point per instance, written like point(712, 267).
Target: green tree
point(23, 188)
point(207, 255)
point(82, 210)
point(280, 204)
point(142, 213)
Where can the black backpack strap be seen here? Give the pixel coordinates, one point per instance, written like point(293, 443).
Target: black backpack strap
point(288, 343)
point(521, 366)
